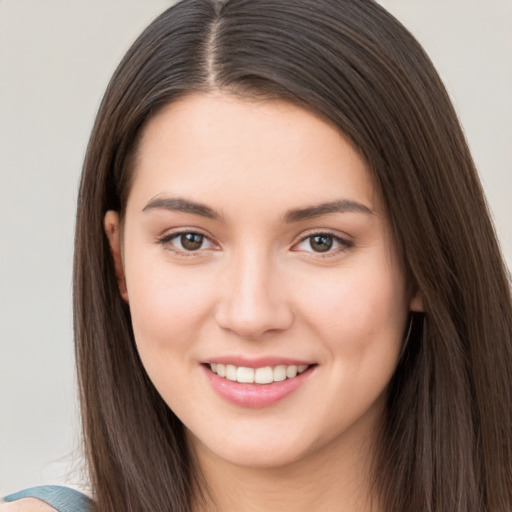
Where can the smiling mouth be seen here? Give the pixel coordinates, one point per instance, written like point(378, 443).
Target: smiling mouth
point(263, 375)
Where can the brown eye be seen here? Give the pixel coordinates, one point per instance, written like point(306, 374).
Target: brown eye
point(191, 241)
point(187, 243)
point(325, 244)
point(321, 243)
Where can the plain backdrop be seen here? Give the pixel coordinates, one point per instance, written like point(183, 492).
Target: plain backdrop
point(56, 57)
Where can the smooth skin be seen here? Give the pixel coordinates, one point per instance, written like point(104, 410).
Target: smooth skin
point(26, 505)
point(221, 252)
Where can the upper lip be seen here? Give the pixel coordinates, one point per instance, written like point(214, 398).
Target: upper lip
point(257, 362)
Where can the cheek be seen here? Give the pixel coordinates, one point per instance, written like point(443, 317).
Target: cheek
point(166, 304)
point(358, 308)
point(168, 309)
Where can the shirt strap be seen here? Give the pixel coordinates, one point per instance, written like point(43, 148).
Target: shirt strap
point(63, 499)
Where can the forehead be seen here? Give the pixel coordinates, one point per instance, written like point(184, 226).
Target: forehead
point(218, 146)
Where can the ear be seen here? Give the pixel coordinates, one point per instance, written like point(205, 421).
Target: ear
point(416, 303)
point(113, 231)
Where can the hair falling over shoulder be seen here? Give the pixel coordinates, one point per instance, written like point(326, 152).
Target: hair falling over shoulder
point(446, 444)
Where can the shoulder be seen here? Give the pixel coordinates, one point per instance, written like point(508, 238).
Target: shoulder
point(26, 505)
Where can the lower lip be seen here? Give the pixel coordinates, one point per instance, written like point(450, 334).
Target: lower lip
point(255, 395)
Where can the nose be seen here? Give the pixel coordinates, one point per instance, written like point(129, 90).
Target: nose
point(254, 300)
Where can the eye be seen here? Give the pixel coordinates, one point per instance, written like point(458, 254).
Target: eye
point(322, 243)
point(187, 241)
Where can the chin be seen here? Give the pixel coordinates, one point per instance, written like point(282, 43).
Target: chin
point(256, 453)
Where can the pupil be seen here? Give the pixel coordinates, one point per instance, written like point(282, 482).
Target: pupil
point(321, 243)
point(191, 241)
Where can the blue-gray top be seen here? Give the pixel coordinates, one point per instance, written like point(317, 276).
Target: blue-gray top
point(60, 498)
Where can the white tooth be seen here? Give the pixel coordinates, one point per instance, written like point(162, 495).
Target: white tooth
point(263, 375)
point(301, 368)
point(221, 370)
point(291, 371)
point(230, 372)
point(213, 366)
point(279, 373)
point(245, 375)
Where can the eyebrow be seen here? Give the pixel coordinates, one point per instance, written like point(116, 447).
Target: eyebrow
point(180, 204)
point(341, 206)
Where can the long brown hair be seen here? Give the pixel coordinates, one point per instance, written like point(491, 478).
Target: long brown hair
point(446, 444)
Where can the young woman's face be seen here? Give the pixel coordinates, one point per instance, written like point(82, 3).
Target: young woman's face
point(254, 242)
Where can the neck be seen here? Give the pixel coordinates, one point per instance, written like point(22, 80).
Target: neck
point(335, 478)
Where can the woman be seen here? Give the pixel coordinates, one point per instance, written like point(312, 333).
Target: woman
point(285, 273)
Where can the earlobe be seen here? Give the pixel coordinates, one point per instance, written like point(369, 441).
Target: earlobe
point(113, 231)
point(416, 303)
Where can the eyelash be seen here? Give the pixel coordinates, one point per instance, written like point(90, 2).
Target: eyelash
point(330, 252)
point(344, 244)
point(166, 241)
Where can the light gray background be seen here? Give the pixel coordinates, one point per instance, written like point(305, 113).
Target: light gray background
point(56, 57)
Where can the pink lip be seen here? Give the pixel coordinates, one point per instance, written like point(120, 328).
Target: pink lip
point(255, 395)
